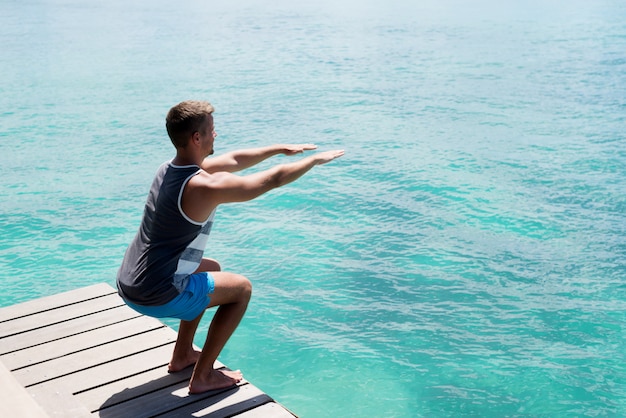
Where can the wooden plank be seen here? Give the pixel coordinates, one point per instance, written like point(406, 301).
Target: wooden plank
point(53, 316)
point(57, 400)
point(86, 359)
point(119, 369)
point(85, 381)
point(131, 387)
point(96, 376)
point(16, 402)
point(65, 329)
point(230, 407)
point(175, 401)
point(79, 342)
point(84, 352)
point(268, 410)
point(234, 405)
point(54, 301)
point(227, 404)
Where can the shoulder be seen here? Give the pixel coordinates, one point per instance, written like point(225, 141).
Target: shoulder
point(205, 180)
point(214, 187)
point(225, 187)
point(199, 196)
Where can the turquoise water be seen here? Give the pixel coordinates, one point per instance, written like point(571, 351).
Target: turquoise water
point(466, 257)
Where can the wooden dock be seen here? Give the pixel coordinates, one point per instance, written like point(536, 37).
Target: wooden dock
point(84, 353)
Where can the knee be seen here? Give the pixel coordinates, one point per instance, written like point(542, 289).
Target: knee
point(230, 288)
point(248, 288)
point(245, 286)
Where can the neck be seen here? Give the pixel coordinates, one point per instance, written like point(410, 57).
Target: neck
point(184, 158)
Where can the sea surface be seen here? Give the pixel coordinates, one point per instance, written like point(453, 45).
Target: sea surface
point(467, 255)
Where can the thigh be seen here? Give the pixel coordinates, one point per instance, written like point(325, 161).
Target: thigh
point(230, 288)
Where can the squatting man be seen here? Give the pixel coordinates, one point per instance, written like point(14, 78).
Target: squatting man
point(163, 273)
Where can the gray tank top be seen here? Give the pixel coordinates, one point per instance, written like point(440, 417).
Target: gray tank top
point(168, 246)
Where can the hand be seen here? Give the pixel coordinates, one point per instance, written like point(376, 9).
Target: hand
point(327, 156)
point(292, 149)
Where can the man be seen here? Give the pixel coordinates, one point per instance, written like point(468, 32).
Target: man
point(164, 273)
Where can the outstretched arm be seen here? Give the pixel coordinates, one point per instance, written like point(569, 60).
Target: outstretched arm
point(227, 187)
point(245, 158)
point(205, 192)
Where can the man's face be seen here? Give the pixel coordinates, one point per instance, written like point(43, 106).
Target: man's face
point(207, 135)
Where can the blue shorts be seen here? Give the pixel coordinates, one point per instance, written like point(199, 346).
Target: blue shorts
point(188, 305)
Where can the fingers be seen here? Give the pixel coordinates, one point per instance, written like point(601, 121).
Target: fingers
point(323, 157)
point(328, 156)
point(335, 153)
point(291, 149)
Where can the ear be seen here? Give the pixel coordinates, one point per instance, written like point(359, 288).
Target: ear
point(195, 137)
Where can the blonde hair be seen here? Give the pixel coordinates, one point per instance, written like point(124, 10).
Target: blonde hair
point(186, 118)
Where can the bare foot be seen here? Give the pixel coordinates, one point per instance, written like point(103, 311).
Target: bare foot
point(178, 364)
point(216, 379)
